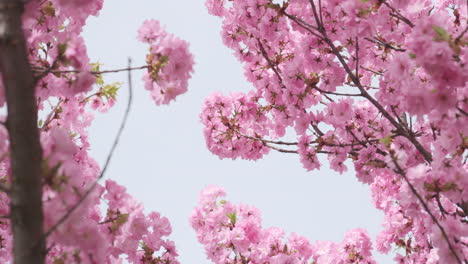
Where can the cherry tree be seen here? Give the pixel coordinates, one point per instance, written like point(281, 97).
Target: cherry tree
point(53, 207)
point(374, 84)
point(377, 84)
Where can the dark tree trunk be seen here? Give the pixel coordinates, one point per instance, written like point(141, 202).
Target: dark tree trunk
point(25, 150)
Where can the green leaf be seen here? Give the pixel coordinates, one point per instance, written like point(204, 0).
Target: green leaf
point(449, 186)
point(163, 60)
point(96, 67)
point(62, 48)
point(233, 217)
point(110, 90)
point(148, 251)
point(430, 187)
point(99, 80)
point(364, 12)
point(48, 10)
point(273, 6)
point(386, 140)
point(118, 222)
point(50, 171)
point(442, 35)
point(59, 260)
point(76, 256)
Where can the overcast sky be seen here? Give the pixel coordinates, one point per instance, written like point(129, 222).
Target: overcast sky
point(162, 158)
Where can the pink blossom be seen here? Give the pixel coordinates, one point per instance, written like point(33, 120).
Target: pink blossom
point(170, 63)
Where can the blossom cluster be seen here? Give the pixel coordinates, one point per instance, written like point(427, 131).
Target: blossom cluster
point(378, 86)
point(234, 234)
point(86, 221)
point(170, 63)
point(223, 131)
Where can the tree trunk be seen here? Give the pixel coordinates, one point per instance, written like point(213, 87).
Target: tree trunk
point(25, 149)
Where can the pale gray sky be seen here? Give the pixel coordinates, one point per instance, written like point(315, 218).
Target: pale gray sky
point(162, 158)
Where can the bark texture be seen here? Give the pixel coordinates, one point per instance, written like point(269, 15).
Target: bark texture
point(25, 150)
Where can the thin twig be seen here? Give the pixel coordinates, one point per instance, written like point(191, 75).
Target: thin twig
point(373, 71)
point(264, 140)
point(282, 150)
point(335, 93)
point(128, 69)
point(317, 129)
point(267, 143)
point(51, 115)
point(320, 11)
point(295, 18)
point(439, 203)
point(461, 34)
point(357, 56)
point(384, 44)
point(308, 27)
point(320, 27)
point(317, 141)
point(108, 160)
point(328, 97)
point(47, 71)
point(270, 63)
point(462, 111)
point(398, 14)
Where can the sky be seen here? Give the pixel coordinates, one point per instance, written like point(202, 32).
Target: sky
point(162, 157)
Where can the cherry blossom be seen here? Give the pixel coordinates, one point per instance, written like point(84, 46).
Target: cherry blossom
point(377, 85)
point(86, 221)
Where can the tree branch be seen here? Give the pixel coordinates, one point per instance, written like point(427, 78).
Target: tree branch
point(384, 44)
point(370, 70)
point(357, 56)
point(317, 17)
point(270, 63)
point(281, 150)
point(47, 71)
point(308, 27)
point(51, 116)
point(398, 14)
point(427, 156)
point(25, 149)
point(335, 93)
point(461, 34)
